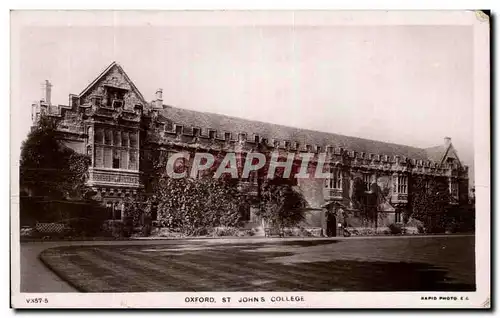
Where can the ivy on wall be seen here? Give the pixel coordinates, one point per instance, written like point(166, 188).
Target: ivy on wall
point(428, 201)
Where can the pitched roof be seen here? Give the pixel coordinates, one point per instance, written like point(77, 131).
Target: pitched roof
point(223, 123)
point(436, 153)
point(440, 153)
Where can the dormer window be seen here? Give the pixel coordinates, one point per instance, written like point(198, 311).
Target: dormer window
point(276, 143)
point(196, 132)
point(227, 136)
point(256, 139)
point(178, 130)
point(211, 134)
point(242, 137)
point(287, 144)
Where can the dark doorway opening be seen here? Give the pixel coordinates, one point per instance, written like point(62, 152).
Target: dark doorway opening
point(331, 225)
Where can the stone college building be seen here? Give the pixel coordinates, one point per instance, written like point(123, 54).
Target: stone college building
point(106, 120)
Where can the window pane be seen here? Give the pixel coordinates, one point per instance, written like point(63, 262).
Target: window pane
point(107, 157)
point(116, 159)
point(99, 136)
point(107, 137)
point(125, 139)
point(132, 160)
point(133, 140)
point(123, 159)
point(99, 157)
point(118, 138)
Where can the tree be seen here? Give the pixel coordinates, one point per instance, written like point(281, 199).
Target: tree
point(281, 205)
point(50, 169)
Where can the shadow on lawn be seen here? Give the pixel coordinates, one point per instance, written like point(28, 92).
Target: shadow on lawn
point(232, 268)
point(279, 242)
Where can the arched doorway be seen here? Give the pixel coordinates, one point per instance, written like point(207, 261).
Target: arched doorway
point(331, 225)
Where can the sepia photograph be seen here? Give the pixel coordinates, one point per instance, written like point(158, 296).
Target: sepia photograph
point(257, 159)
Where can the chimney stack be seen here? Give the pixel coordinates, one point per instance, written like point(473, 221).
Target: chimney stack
point(447, 141)
point(159, 98)
point(46, 92)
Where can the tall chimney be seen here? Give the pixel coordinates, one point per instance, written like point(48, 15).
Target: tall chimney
point(447, 141)
point(46, 92)
point(159, 98)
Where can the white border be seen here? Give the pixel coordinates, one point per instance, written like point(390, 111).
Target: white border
point(313, 299)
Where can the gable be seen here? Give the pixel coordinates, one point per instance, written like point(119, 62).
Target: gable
point(440, 154)
point(451, 153)
point(112, 83)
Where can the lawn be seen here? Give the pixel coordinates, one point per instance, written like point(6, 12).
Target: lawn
point(395, 264)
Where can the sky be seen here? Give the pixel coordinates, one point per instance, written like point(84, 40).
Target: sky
point(409, 85)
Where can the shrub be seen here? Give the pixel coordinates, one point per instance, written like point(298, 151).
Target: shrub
point(305, 232)
point(366, 232)
point(225, 231)
point(202, 231)
point(451, 227)
point(128, 226)
point(435, 229)
point(146, 228)
point(250, 232)
point(113, 228)
point(420, 229)
point(395, 228)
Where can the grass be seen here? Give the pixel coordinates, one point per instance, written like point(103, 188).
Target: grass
point(281, 265)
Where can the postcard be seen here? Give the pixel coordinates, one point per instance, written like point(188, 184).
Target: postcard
point(250, 159)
